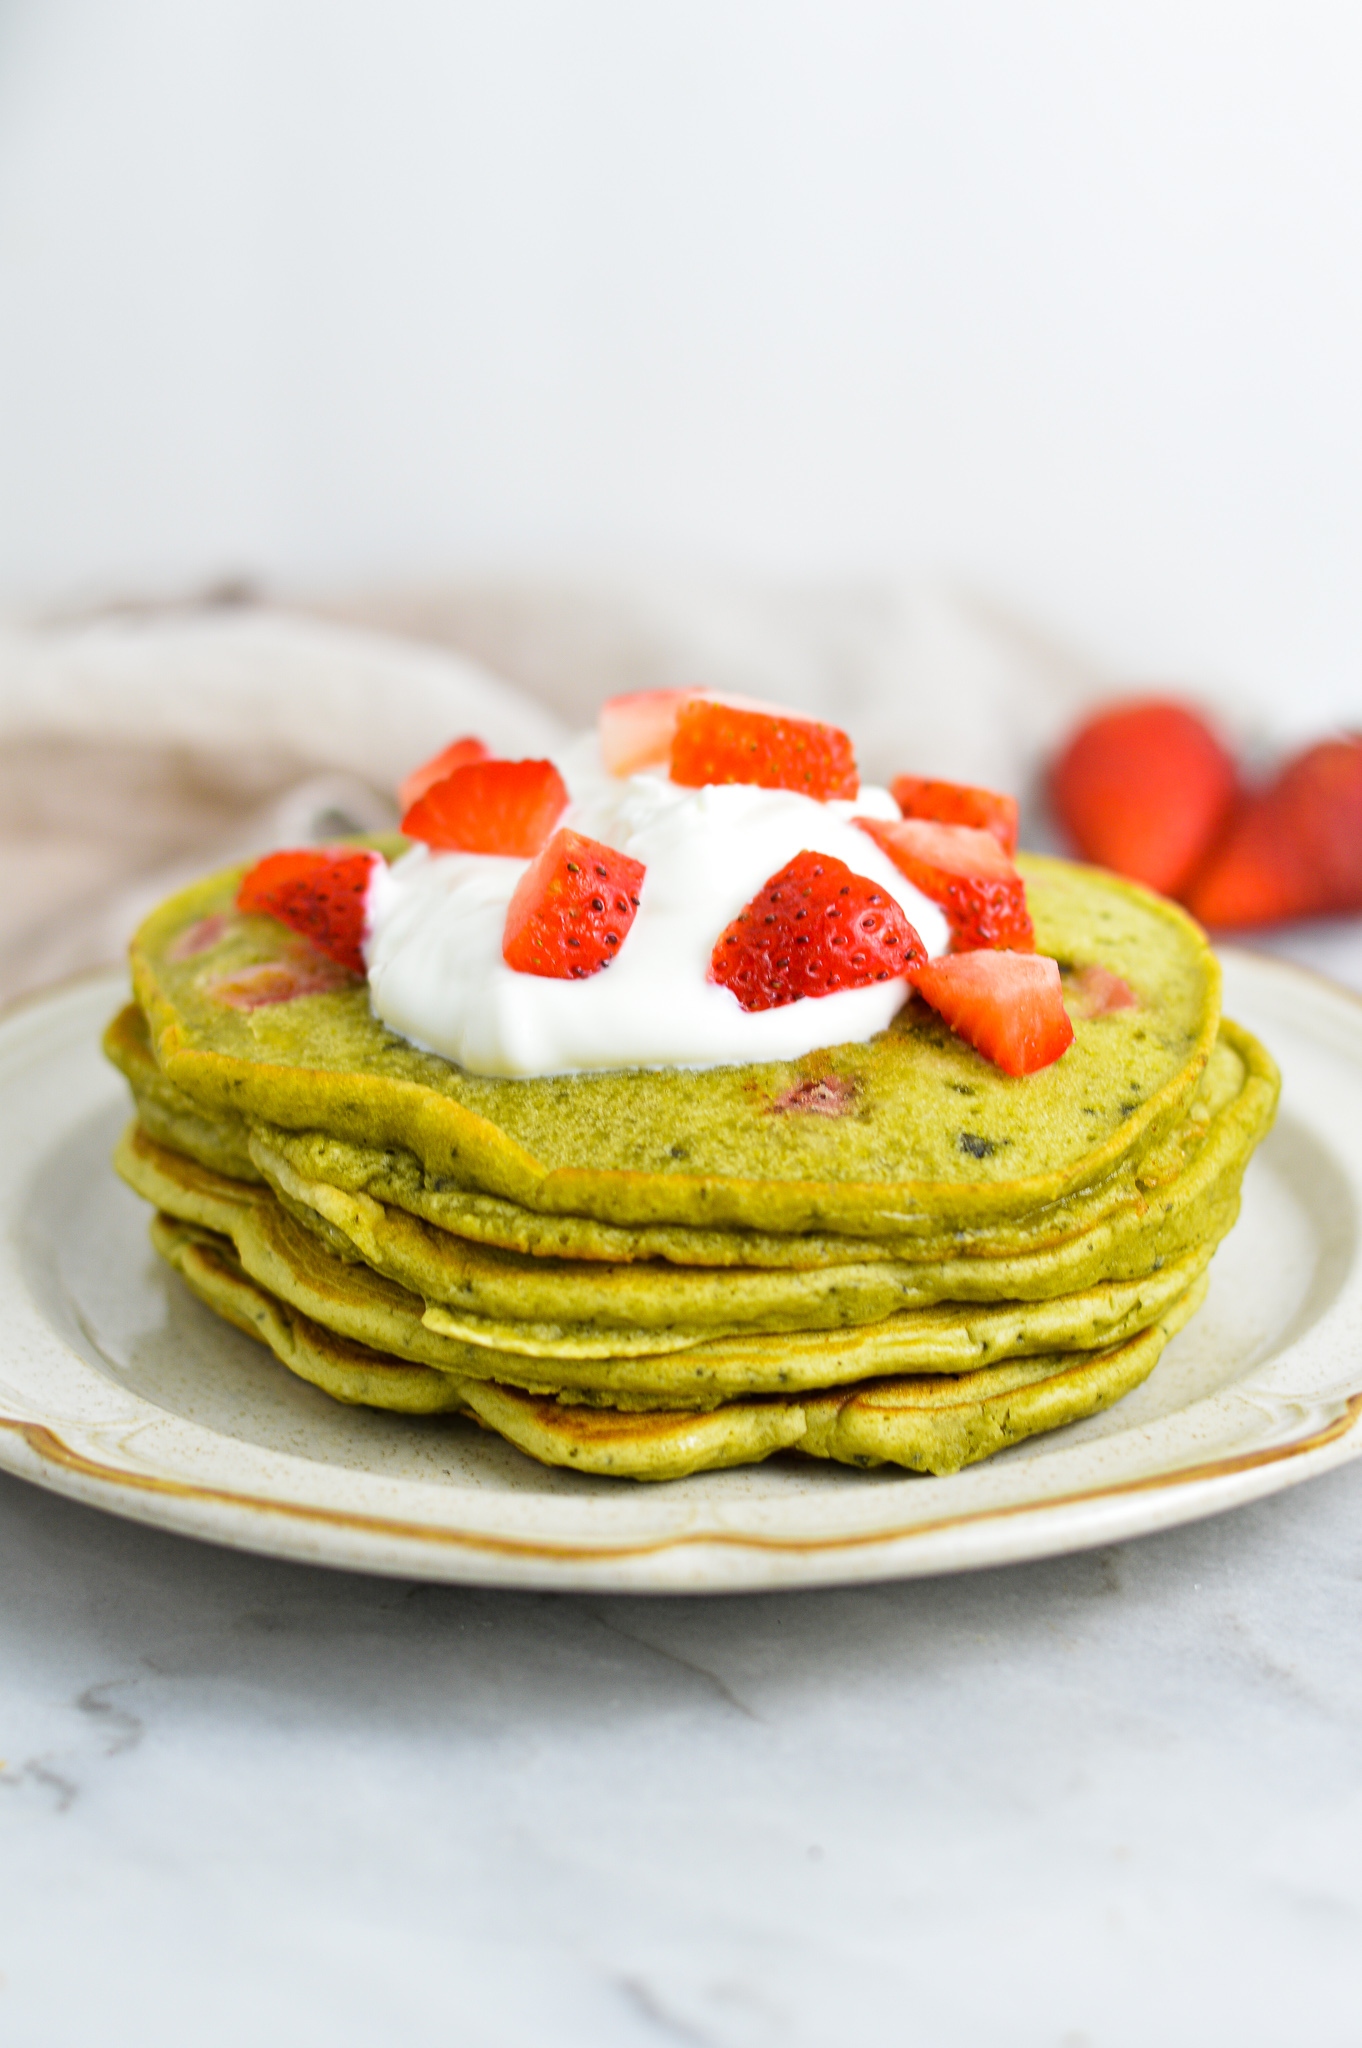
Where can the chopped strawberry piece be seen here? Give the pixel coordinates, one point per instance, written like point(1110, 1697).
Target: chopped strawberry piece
point(958, 803)
point(1097, 992)
point(1009, 1006)
point(813, 929)
point(636, 730)
point(718, 742)
point(572, 909)
point(1144, 788)
point(457, 754)
point(1294, 849)
point(967, 873)
point(319, 892)
point(506, 807)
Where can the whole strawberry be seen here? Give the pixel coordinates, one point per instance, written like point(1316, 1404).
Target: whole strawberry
point(1144, 788)
point(811, 930)
point(1293, 849)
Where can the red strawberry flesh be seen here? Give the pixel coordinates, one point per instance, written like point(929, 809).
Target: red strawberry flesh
point(1008, 1006)
point(1144, 788)
point(965, 871)
point(201, 937)
point(958, 803)
point(716, 742)
point(1293, 849)
point(458, 754)
point(502, 807)
point(635, 731)
point(317, 892)
point(1097, 992)
point(572, 909)
point(278, 981)
point(811, 930)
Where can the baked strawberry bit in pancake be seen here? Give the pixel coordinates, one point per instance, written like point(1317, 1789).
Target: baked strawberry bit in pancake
point(320, 893)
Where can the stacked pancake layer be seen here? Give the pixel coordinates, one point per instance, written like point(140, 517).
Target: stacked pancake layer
point(883, 1252)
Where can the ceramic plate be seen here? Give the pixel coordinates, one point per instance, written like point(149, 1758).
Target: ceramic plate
point(118, 1388)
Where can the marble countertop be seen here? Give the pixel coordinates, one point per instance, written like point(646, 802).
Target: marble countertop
point(1114, 1798)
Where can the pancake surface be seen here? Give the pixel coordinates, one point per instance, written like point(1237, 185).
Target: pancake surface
point(905, 1134)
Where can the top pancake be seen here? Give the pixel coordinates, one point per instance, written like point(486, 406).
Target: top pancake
point(905, 1134)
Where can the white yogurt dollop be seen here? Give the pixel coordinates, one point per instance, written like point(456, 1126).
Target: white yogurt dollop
point(436, 974)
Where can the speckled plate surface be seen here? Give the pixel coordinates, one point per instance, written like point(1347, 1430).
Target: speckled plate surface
point(117, 1388)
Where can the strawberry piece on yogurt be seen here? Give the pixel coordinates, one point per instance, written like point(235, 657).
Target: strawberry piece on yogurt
point(728, 742)
point(967, 873)
point(958, 803)
point(572, 909)
point(811, 930)
point(458, 754)
point(318, 892)
point(505, 807)
point(1008, 1006)
point(635, 731)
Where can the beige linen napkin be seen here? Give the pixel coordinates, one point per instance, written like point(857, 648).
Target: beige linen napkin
point(137, 752)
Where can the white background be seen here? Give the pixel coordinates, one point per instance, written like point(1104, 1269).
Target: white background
point(1063, 301)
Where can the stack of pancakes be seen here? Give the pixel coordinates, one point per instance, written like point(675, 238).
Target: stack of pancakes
point(884, 1252)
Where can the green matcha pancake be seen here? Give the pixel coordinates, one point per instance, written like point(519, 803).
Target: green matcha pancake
point(396, 1180)
point(936, 1424)
point(888, 1252)
point(550, 1308)
point(642, 1368)
point(908, 1134)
